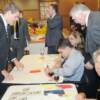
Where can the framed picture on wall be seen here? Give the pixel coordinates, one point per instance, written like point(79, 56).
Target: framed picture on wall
point(26, 4)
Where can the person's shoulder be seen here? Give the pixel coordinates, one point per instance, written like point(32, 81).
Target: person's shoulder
point(23, 20)
point(95, 13)
point(58, 16)
point(77, 53)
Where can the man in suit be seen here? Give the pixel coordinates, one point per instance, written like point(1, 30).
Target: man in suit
point(54, 29)
point(20, 37)
point(10, 16)
point(81, 14)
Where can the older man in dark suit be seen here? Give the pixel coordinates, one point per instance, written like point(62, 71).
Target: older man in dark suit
point(81, 14)
point(54, 29)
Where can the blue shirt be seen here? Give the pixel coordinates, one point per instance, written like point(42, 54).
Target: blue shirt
point(73, 67)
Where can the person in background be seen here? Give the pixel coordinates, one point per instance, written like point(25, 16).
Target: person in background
point(54, 29)
point(20, 37)
point(10, 16)
point(96, 58)
point(71, 66)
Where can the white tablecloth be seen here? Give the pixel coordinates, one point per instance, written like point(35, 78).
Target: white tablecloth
point(31, 63)
point(41, 92)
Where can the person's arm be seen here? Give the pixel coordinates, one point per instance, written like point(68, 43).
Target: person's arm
point(6, 75)
point(70, 65)
point(52, 23)
point(92, 40)
point(12, 57)
point(27, 38)
point(82, 96)
point(58, 62)
point(18, 65)
point(27, 32)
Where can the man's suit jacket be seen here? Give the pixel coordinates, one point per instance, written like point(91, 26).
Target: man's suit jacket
point(93, 32)
point(23, 34)
point(5, 38)
point(54, 31)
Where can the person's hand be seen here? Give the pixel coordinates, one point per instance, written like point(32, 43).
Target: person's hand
point(57, 63)
point(18, 65)
point(80, 96)
point(7, 75)
point(49, 73)
point(26, 48)
point(47, 69)
point(88, 65)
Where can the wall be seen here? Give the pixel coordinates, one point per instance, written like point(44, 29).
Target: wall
point(64, 8)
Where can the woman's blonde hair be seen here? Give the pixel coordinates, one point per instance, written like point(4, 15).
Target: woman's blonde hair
point(79, 40)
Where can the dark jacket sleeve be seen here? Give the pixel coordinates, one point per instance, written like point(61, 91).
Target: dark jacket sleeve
point(3, 47)
point(55, 22)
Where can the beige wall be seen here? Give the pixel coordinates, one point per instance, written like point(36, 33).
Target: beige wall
point(64, 8)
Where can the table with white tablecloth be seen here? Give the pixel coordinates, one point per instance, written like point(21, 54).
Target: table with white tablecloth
point(33, 71)
point(41, 92)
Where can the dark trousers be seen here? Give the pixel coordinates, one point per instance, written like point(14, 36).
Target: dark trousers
point(90, 88)
point(1, 77)
point(2, 86)
point(52, 50)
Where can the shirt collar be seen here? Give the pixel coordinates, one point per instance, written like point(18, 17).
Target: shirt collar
point(5, 22)
point(53, 15)
point(88, 13)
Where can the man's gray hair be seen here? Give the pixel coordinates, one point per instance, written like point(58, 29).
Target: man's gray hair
point(78, 8)
point(95, 54)
point(11, 7)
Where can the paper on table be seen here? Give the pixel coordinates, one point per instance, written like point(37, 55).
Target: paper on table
point(35, 92)
point(47, 86)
